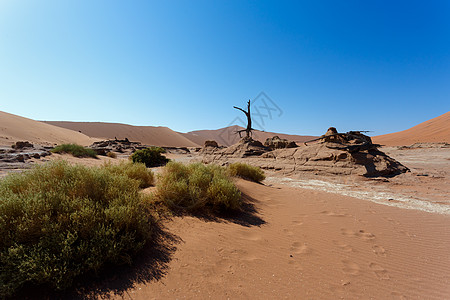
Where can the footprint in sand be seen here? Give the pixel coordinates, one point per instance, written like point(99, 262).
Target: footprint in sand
point(333, 214)
point(363, 221)
point(350, 267)
point(392, 221)
point(344, 247)
point(399, 296)
point(379, 250)
point(297, 222)
point(407, 234)
point(288, 232)
point(379, 271)
point(347, 232)
point(302, 249)
point(367, 236)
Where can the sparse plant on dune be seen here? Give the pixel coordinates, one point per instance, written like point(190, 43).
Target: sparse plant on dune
point(151, 157)
point(58, 222)
point(75, 150)
point(246, 171)
point(136, 171)
point(111, 154)
point(197, 187)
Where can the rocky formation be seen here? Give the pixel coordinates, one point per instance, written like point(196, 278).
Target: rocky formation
point(20, 153)
point(244, 148)
point(277, 143)
point(119, 146)
point(21, 145)
point(321, 159)
point(338, 154)
point(125, 147)
point(211, 144)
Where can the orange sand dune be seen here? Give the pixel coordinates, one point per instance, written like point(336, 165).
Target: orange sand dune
point(431, 131)
point(15, 128)
point(227, 136)
point(148, 135)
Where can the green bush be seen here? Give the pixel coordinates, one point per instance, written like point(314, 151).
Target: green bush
point(59, 221)
point(246, 171)
point(75, 150)
point(135, 171)
point(111, 154)
point(151, 157)
point(197, 187)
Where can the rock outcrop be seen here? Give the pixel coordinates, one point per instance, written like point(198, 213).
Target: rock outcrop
point(211, 144)
point(119, 146)
point(17, 157)
point(21, 145)
point(278, 143)
point(246, 147)
point(338, 154)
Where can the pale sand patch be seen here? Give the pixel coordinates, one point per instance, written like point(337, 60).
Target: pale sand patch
point(375, 194)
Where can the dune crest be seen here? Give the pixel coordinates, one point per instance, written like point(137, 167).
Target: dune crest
point(226, 136)
point(432, 131)
point(14, 128)
point(149, 135)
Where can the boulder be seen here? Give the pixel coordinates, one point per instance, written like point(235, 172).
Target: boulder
point(21, 145)
point(211, 144)
point(278, 143)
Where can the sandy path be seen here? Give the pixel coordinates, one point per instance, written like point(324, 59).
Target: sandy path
point(307, 244)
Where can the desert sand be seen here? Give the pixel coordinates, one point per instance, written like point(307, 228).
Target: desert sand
point(431, 131)
point(15, 128)
point(149, 135)
point(300, 237)
point(305, 244)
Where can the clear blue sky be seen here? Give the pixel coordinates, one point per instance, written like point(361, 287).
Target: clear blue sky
point(374, 65)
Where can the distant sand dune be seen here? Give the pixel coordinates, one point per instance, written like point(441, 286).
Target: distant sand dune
point(227, 136)
point(149, 135)
point(431, 131)
point(15, 128)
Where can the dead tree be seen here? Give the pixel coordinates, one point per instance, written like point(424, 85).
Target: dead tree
point(249, 128)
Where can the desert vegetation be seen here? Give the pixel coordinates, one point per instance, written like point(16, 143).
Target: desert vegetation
point(75, 150)
point(111, 154)
point(151, 157)
point(59, 221)
point(246, 171)
point(136, 171)
point(197, 188)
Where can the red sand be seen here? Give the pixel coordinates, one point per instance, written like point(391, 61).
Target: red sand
point(431, 131)
point(313, 245)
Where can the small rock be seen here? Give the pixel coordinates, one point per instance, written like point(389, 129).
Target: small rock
point(21, 145)
point(211, 144)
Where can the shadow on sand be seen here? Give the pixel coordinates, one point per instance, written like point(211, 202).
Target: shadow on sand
point(151, 265)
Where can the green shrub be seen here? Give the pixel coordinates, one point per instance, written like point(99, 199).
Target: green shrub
point(75, 150)
point(59, 221)
point(246, 171)
point(111, 154)
point(136, 171)
point(197, 187)
point(151, 157)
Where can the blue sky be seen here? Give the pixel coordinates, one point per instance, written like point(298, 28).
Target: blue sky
point(356, 65)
